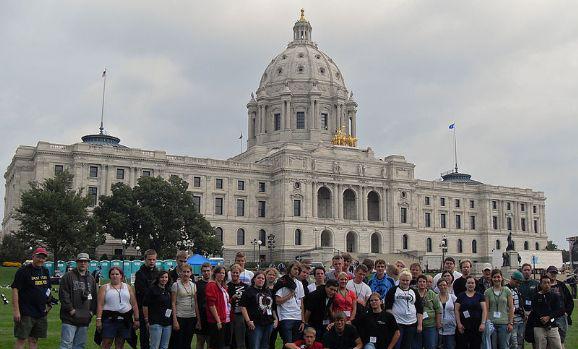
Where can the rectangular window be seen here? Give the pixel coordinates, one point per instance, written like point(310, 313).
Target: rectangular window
point(457, 203)
point(93, 171)
point(458, 221)
point(93, 194)
point(324, 121)
point(403, 215)
point(522, 207)
point(443, 222)
point(427, 220)
point(508, 206)
point(262, 187)
point(240, 207)
point(495, 222)
point(535, 209)
point(472, 204)
point(473, 222)
point(536, 226)
point(120, 173)
point(494, 205)
point(300, 120)
point(219, 183)
point(523, 224)
point(197, 203)
point(218, 206)
point(509, 223)
point(240, 185)
point(297, 208)
point(58, 169)
point(427, 201)
point(197, 182)
point(262, 208)
point(146, 173)
point(442, 201)
point(277, 121)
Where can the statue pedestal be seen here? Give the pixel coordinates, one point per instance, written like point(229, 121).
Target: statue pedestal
point(514, 264)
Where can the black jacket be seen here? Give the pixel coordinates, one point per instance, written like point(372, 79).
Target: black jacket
point(566, 301)
point(77, 292)
point(143, 280)
point(319, 305)
point(547, 304)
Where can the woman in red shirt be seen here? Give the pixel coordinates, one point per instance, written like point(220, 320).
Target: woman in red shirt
point(345, 300)
point(218, 309)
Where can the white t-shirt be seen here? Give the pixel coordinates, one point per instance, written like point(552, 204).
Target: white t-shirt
point(291, 309)
point(449, 317)
point(362, 291)
point(246, 276)
point(403, 308)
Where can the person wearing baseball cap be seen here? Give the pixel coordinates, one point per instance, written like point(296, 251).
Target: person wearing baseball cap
point(77, 295)
point(567, 302)
point(517, 336)
point(30, 300)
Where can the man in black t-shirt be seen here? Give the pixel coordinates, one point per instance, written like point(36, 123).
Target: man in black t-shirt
point(459, 285)
point(30, 300)
point(342, 335)
point(318, 307)
point(202, 324)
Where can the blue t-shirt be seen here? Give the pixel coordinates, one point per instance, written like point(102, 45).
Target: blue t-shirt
point(381, 286)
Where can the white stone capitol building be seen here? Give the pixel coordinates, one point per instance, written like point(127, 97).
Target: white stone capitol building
point(303, 180)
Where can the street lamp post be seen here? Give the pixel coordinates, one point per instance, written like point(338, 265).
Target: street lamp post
point(254, 243)
point(123, 241)
point(259, 243)
point(444, 248)
point(271, 246)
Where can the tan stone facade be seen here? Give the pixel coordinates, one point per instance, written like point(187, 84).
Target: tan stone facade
point(316, 198)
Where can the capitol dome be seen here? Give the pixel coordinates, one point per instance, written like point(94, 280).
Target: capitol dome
point(301, 99)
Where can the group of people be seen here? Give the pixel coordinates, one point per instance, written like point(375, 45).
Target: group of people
point(374, 305)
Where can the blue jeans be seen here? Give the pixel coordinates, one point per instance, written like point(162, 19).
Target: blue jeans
point(289, 330)
point(73, 337)
point(501, 337)
point(369, 346)
point(562, 323)
point(159, 336)
point(517, 337)
point(259, 337)
point(427, 339)
point(408, 334)
point(448, 341)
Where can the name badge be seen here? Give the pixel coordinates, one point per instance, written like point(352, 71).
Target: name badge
point(425, 315)
point(372, 339)
point(466, 314)
point(326, 322)
point(89, 297)
point(168, 312)
point(347, 313)
point(269, 312)
point(528, 302)
point(48, 292)
point(497, 314)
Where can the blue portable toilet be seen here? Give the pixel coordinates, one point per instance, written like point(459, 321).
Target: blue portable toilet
point(92, 266)
point(61, 267)
point(159, 265)
point(169, 264)
point(104, 268)
point(127, 269)
point(136, 264)
point(70, 265)
point(50, 266)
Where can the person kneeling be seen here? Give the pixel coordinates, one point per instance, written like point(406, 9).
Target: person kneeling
point(342, 335)
point(308, 341)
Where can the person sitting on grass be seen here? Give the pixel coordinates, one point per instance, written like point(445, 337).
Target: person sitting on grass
point(342, 335)
point(308, 341)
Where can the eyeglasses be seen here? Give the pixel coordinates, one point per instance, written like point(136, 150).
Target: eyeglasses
point(81, 262)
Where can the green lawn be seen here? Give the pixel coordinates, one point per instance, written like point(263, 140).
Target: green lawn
point(53, 340)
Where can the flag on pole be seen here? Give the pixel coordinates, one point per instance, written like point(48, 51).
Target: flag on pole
point(452, 126)
point(104, 73)
point(241, 136)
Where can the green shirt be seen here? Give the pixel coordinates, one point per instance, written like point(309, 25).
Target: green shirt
point(498, 305)
point(431, 307)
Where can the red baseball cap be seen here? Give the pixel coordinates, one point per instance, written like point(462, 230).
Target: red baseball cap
point(40, 250)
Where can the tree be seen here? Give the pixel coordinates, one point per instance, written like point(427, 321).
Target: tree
point(13, 249)
point(54, 215)
point(551, 246)
point(156, 214)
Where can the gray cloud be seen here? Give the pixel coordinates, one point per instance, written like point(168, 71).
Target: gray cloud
point(180, 73)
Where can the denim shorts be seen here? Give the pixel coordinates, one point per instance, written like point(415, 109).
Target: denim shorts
point(112, 328)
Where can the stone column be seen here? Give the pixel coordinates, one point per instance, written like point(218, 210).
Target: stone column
point(311, 121)
point(364, 203)
point(354, 124)
point(288, 115)
point(314, 200)
point(339, 198)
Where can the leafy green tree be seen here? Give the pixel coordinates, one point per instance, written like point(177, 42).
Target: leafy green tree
point(54, 215)
point(13, 249)
point(157, 214)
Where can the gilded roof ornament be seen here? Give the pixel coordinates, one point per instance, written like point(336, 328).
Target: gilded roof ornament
point(343, 139)
point(302, 18)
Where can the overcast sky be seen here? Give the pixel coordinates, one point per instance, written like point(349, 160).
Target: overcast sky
point(181, 72)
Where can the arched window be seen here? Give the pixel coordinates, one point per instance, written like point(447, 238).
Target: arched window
point(404, 242)
point(474, 246)
point(326, 239)
point(372, 206)
point(526, 246)
point(240, 237)
point(537, 246)
point(375, 243)
point(297, 237)
point(219, 233)
point(262, 237)
point(349, 205)
point(498, 245)
point(351, 242)
point(460, 246)
point(324, 207)
point(428, 244)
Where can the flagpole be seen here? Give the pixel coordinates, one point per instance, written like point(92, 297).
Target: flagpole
point(455, 150)
point(241, 141)
point(102, 110)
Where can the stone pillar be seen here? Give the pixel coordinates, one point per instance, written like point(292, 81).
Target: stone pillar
point(354, 124)
point(288, 115)
point(313, 200)
point(311, 121)
point(364, 203)
point(339, 201)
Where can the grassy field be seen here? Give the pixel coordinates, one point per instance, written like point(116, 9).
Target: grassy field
point(53, 340)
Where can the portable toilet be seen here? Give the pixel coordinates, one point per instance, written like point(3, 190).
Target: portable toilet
point(61, 268)
point(70, 265)
point(104, 268)
point(92, 266)
point(135, 266)
point(169, 264)
point(159, 265)
point(50, 266)
point(127, 269)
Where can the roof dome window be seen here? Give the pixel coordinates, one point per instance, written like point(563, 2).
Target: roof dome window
point(322, 70)
point(318, 56)
point(284, 57)
point(300, 55)
point(279, 70)
point(300, 69)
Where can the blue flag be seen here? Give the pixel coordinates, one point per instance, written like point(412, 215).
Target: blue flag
point(452, 126)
